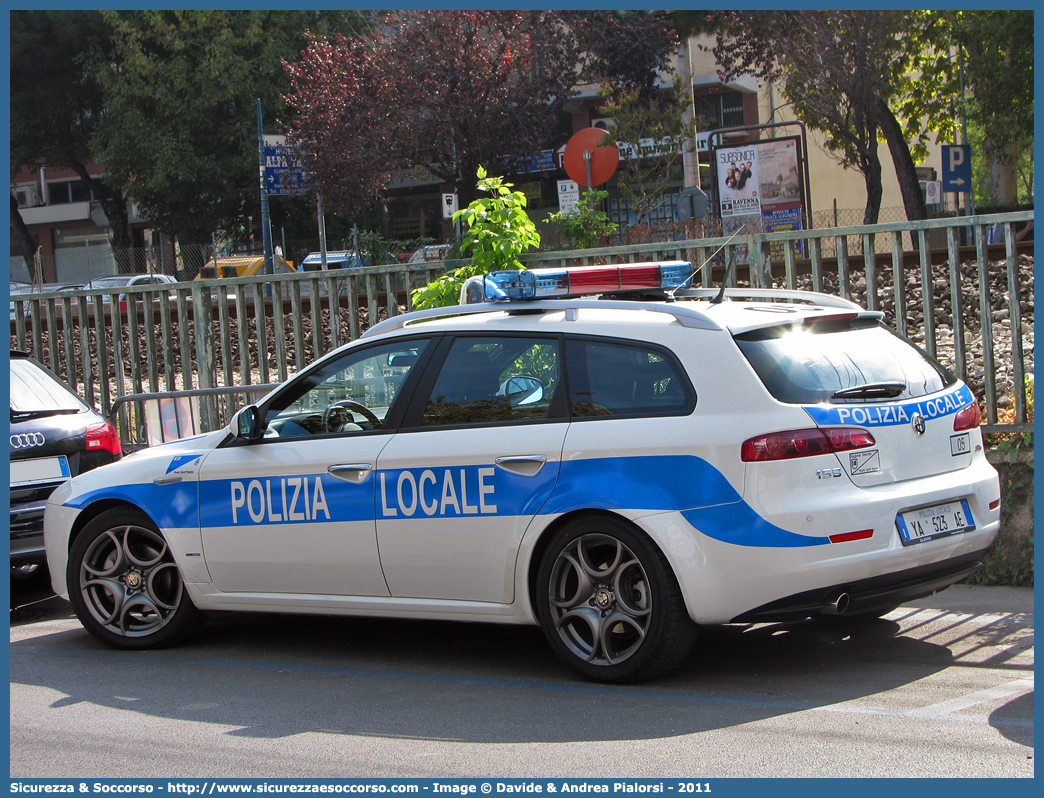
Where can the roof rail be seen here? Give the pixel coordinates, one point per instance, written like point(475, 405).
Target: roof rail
point(687, 316)
point(813, 297)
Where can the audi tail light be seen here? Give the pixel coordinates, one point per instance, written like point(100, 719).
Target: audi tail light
point(103, 438)
point(795, 443)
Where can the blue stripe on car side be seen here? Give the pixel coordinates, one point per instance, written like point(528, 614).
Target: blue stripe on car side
point(670, 482)
point(170, 506)
point(655, 483)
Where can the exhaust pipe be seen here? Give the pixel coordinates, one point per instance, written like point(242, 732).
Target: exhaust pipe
point(837, 605)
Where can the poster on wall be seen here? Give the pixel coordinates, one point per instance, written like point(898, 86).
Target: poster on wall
point(760, 186)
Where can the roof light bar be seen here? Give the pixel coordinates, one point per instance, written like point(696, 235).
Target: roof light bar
point(516, 286)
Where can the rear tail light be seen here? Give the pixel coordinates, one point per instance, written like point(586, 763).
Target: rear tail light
point(804, 443)
point(968, 417)
point(103, 438)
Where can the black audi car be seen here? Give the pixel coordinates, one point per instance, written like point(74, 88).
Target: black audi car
point(55, 435)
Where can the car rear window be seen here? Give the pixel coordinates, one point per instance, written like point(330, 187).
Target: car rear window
point(34, 390)
point(811, 363)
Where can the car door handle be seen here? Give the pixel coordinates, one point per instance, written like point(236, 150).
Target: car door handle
point(526, 465)
point(355, 472)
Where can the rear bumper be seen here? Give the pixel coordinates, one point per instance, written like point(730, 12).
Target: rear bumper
point(878, 593)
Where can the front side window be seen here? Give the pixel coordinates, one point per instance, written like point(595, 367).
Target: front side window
point(613, 379)
point(350, 394)
point(495, 379)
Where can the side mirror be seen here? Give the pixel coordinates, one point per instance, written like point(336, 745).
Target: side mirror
point(246, 424)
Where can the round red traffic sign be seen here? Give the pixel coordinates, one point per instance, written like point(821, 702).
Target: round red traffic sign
point(604, 159)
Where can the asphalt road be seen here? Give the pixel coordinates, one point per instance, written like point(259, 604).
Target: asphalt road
point(941, 689)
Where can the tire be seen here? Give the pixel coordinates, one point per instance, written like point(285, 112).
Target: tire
point(124, 585)
point(609, 603)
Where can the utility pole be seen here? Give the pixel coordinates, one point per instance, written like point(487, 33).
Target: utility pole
point(266, 219)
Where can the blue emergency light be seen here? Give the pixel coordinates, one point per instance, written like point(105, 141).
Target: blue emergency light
point(527, 284)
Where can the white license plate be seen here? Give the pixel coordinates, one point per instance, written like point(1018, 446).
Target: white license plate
point(40, 469)
point(960, 444)
point(937, 521)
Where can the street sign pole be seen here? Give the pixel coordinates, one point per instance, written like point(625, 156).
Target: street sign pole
point(266, 219)
point(587, 167)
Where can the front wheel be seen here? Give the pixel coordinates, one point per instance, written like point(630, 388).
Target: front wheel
point(124, 585)
point(609, 603)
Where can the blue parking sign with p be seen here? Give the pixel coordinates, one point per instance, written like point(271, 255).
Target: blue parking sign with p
point(956, 167)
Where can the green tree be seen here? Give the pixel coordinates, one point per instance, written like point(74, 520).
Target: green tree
point(653, 128)
point(498, 231)
point(449, 90)
point(57, 105)
point(180, 127)
point(838, 70)
point(587, 225)
point(995, 49)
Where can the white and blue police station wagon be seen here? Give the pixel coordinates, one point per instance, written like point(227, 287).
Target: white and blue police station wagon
point(619, 470)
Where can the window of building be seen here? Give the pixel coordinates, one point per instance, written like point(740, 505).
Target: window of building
point(666, 211)
point(68, 191)
point(719, 110)
point(66, 237)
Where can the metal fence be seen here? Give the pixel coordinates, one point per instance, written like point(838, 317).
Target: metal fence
point(210, 334)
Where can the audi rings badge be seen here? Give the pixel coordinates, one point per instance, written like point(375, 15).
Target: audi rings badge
point(27, 440)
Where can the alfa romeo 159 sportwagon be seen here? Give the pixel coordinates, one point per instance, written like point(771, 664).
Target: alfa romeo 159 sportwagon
point(619, 469)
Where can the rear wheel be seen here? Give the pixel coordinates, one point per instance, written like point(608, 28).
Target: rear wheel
point(124, 585)
point(609, 603)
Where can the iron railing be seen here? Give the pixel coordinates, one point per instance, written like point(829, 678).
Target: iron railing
point(221, 334)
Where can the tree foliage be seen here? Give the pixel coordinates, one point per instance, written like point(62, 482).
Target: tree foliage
point(446, 90)
point(837, 69)
point(57, 104)
point(587, 225)
point(626, 51)
point(498, 231)
point(995, 49)
point(912, 60)
point(654, 130)
point(180, 128)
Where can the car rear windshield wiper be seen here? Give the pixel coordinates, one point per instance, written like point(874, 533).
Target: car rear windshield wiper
point(872, 390)
point(25, 415)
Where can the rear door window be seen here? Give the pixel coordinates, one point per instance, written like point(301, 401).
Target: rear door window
point(851, 361)
point(487, 380)
point(608, 378)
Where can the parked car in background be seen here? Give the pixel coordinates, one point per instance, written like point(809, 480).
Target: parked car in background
point(19, 288)
point(432, 252)
point(342, 259)
point(127, 280)
point(55, 435)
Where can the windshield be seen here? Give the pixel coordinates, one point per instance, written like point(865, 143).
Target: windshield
point(841, 363)
point(33, 390)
